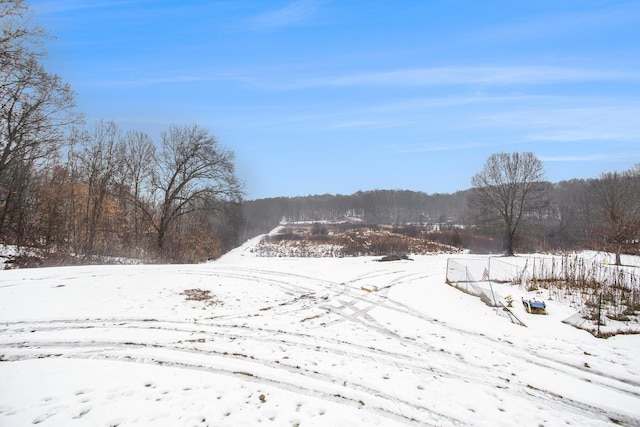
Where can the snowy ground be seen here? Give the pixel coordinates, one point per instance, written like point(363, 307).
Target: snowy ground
point(287, 342)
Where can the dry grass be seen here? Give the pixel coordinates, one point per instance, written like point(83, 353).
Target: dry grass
point(200, 295)
point(353, 240)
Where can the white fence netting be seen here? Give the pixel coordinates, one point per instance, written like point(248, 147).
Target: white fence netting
point(471, 276)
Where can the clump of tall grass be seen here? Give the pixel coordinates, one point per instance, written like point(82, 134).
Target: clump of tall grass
point(600, 290)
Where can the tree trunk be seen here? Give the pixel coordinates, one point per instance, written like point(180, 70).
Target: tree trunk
point(161, 235)
point(509, 245)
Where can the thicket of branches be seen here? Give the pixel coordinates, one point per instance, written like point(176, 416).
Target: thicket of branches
point(117, 194)
point(97, 190)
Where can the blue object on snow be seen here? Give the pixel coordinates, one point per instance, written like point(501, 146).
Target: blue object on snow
point(535, 306)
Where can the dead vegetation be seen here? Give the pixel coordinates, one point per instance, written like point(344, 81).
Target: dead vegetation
point(604, 290)
point(350, 240)
point(604, 293)
point(35, 257)
point(201, 295)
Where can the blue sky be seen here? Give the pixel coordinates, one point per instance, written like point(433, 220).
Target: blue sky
point(336, 96)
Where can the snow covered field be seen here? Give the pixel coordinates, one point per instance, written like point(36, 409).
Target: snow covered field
point(295, 342)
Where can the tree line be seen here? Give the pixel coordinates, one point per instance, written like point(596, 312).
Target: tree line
point(97, 190)
point(502, 212)
point(373, 207)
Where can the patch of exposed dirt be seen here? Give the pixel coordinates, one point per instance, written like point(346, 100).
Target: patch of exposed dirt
point(201, 295)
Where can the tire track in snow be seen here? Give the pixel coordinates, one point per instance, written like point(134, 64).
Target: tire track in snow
point(441, 366)
point(250, 366)
point(362, 319)
point(204, 332)
point(362, 316)
point(529, 354)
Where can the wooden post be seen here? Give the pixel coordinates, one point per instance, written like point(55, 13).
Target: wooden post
point(599, 314)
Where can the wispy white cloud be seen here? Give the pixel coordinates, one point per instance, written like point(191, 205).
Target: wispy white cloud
point(616, 122)
point(422, 77)
point(364, 124)
point(597, 157)
point(425, 103)
point(602, 16)
point(490, 75)
point(46, 7)
point(169, 79)
point(431, 148)
point(577, 135)
point(294, 13)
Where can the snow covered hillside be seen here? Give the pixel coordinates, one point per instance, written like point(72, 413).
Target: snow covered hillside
point(248, 340)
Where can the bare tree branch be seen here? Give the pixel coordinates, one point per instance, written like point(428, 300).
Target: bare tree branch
point(510, 186)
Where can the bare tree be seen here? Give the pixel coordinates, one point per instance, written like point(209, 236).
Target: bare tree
point(569, 214)
point(100, 156)
point(135, 181)
point(616, 199)
point(55, 203)
point(191, 171)
point(35, 107)
point(510, 187)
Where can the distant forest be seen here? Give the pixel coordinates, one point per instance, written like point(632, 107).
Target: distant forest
point(575, 216)
point(375, 207)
